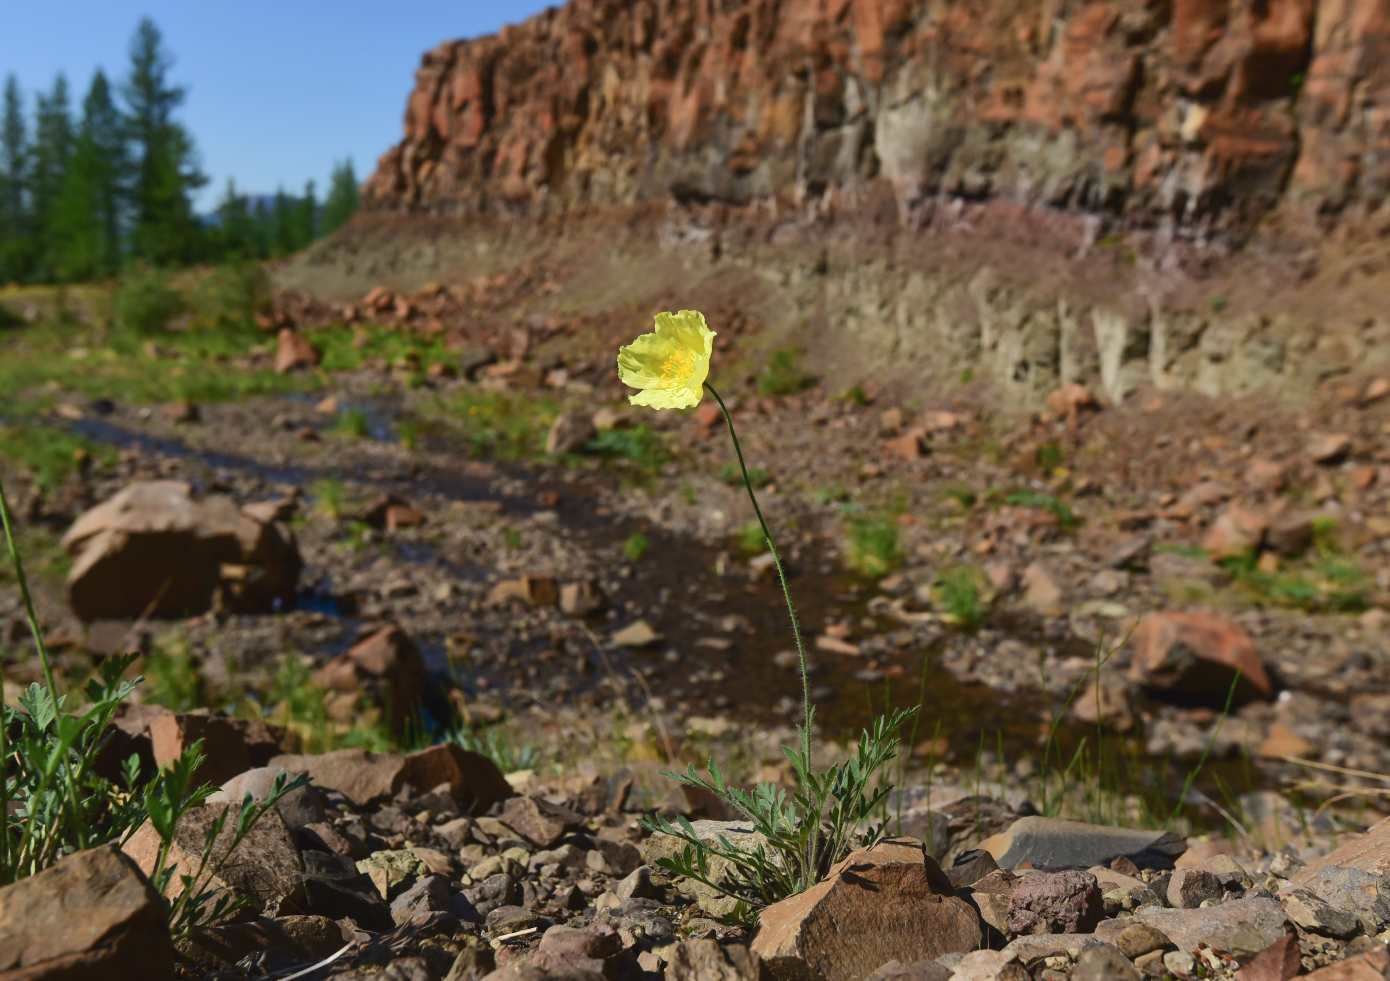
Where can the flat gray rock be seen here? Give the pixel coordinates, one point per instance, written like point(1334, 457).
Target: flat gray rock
point(1241, 924)
point(1057, 843)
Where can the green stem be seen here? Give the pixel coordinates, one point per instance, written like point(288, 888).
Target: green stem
point(809, 712)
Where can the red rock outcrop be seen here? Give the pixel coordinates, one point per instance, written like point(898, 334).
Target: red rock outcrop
point(1199, 115)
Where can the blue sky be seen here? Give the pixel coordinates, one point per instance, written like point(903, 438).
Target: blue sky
point(277, 89)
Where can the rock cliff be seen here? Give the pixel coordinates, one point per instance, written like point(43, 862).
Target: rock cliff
point(1199, 116)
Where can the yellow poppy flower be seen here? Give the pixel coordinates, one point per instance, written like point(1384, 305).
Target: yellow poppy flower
point(671, 364)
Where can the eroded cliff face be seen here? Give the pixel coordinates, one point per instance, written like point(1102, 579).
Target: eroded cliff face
point(1198, 116)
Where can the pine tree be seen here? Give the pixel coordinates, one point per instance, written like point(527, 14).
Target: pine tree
point(165, 229)
point(341, 203)
point(306, 218)
point(49, 159)
point(14, 168)
point(87, 215)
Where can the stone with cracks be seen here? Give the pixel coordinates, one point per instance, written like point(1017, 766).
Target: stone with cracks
point(738, 833)
point(90, 915)
point(1031, 951)
point(890, 902)
point(1197, 655)
point(1365, 894)
point(155, 549)
point(1140, 939)
point(266, 867)
point(1316, 915)
point(1058, 843)
point(1056, 902)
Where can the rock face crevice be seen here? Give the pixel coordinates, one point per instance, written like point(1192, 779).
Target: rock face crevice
point(1194, 116)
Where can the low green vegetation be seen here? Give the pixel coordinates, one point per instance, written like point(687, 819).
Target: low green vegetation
point(53, 802)
point(636, 546)
point(959, 595)
point(730, 474)
point(873, 545)
point(637, 445)
point(1066, 518)
point(352, 423)
point(783, 375)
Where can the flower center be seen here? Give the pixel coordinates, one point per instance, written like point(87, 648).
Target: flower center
point(677, 370)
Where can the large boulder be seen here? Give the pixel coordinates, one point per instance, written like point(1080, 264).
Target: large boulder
point(889, 902)
point(91, 915)
point(1197, 655)
point(156, 549)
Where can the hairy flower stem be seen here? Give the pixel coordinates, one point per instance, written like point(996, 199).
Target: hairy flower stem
point(796, 625)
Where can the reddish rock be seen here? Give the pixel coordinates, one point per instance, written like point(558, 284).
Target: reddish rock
point(908, 446)
point(1265, 475)
point(718, 102)
point(709, 960)
point(1056, 902)
point(1235, 532)
point(155, 549)
point(387, 667)
point(1328, 447)
point(891, 902)
point(1069, 400)
point(223, 746)
point(400, 516)
point(294, 351)
point(1280, 961)
point(362, 777)
point(538, 821)
point(180, 412)
point(1366, 967)
point(1197, 654)
point(90, 915)
point(570, 433)
point(474, 780)
point(1107, 703)
point(1370, 851)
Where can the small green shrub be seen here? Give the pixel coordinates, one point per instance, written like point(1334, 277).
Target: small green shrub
point(807, 831)
point(1057, 508)
point(494, 745)
point(959, 594)
point(751, 538)
point(636, 546)
point(962, 495)
point(782, 376)
point(638, 444)
point(408, 431)
point(873, 545)
point(232, 295)
point(352, 423)
point(145, 302)
point(328, 496)
point(1050, 456)
point(53, 803)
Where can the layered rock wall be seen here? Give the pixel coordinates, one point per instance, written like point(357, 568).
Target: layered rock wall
point(1195, 115)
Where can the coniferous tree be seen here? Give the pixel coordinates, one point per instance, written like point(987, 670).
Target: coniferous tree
point(165, 230)
point(87, 217)
point(49, 159)
point(341, 203)
point(306, 218)
point(14, 171)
